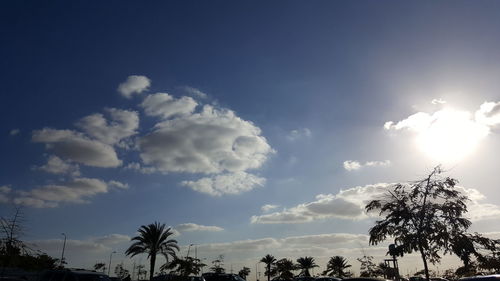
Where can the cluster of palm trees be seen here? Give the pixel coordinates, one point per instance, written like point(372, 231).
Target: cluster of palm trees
point(154, 239)
point(283, 268)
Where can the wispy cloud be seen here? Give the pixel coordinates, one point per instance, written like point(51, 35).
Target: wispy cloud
point(228, 183)
point(14, 132)
point(269, 207)
point(189, 227)
point(351, 165)
point(297, 134)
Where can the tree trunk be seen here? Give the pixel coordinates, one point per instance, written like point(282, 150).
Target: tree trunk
point(426, 268)
point(152, 267)
point(268, 272)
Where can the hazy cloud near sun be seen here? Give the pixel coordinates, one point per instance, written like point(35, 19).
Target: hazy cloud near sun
point(135, 84)
point(351, 165)
point(448, 135)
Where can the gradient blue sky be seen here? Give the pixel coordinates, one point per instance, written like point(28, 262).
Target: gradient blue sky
point(320, 79)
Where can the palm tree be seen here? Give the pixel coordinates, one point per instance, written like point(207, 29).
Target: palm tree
point(284, 268)
point(336, 266)
point(269, 261)
point(305, 264)
point(153, 240)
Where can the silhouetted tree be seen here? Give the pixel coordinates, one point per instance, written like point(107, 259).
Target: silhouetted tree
point(121, 272)
point(100, 266)
point(336, 266)
point(153, 239)
point(368, 268)
point(218, 265)
point(423, 216)
point(184, 267)
point(305, 264)
point(244, 272)
point(284, 268)
point(269, 260)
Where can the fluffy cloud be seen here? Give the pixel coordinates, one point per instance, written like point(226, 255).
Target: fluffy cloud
point(448, 135)
point(298, 134)
point(123, 124)
point(211, 141)
point(351, 165)
point(228, 183)
point(77, 190)
point(268, 207)
point(56, 165)
point(350, 204)
point(135, 84)
point(77, 147)
point(186, 227)
point(347, 204)
point(166, 106)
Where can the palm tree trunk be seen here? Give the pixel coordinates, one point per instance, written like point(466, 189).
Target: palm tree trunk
point(152, 267)
point(268, 272)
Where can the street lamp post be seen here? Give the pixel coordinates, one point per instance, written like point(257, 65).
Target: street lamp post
point(189, 248)
point(109, 265)
point(64, 247)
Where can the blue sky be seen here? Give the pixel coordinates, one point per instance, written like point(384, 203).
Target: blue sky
point(198, 114)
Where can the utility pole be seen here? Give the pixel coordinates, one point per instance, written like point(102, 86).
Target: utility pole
point(64, 247)
point(109, 265)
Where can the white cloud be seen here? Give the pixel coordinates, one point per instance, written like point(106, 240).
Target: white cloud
point(228, 183)
point(135, 84)
point(350, 204)
point(450, 135)
point(268, 207)
point(186, 227)
point(351, 165)
point(294, 135)
point(438, 101)
point(166, 106)
point(141, 169)
point(14, 132)
point(489, 114)
point(56, 165)
point(117, 184)
point(194, 92)
point(211, 141)
point(122, 124)
point(347, 204)
point(76, 147)
point(77, 190)
point(111, 239)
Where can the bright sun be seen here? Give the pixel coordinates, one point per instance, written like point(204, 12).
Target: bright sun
point(450, 135)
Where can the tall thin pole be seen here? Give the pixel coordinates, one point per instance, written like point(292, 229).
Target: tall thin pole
point(189, 248)
point(64, 247)
point(109, 265)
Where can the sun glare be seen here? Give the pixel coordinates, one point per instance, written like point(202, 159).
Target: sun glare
point(451, 136)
